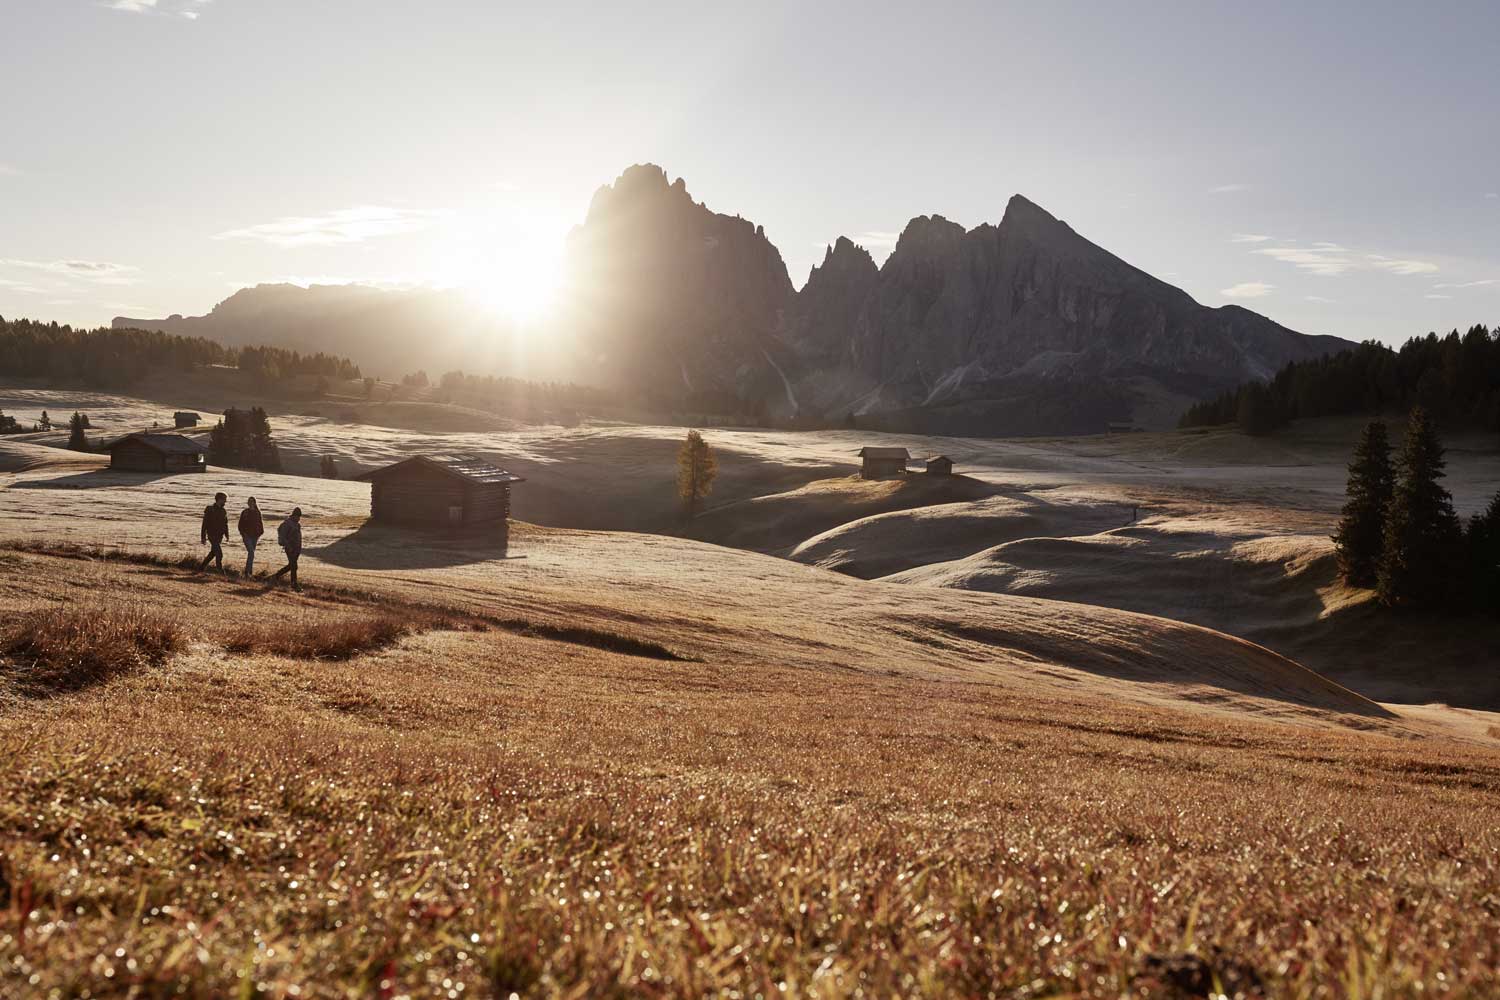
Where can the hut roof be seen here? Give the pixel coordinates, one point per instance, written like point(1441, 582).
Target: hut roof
point(940, 458)
point(167, 444)
point(466, 467)
point(868, 452)
point(185, 413)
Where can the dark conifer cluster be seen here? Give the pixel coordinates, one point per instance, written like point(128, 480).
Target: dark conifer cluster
point(1400, 534)
point(242, 439)
point(110, 357)
point(1456, 379)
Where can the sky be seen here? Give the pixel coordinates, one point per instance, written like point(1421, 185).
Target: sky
point(1335, 166)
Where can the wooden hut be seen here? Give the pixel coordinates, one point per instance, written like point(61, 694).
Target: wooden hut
point(185, 418)
point(158, 453)
point(458, 493)
point(940, 465)
point(882, 463)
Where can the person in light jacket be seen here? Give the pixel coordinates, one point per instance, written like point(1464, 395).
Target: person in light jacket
point(251, 528)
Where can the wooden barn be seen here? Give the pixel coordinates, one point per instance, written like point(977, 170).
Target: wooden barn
point(159, 453)
point(882, 463)
point(185, 418)
point(940, 465)
point(458, 493)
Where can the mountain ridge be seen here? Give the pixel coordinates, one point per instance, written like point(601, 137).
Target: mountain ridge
point(1017, 327)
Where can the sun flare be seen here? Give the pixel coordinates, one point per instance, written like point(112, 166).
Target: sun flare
point(510, 261)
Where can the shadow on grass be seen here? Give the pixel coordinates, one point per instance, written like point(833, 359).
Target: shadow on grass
point(384, 546)
point(96, 479)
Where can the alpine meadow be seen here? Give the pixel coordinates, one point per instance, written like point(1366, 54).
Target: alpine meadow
point(751, 501)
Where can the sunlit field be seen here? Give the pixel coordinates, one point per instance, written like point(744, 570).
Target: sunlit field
point(461, 804)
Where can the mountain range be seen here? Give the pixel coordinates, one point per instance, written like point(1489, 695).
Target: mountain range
point(1020, 327)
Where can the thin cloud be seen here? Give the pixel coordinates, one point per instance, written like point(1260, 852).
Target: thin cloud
point(1437, 296)
point(1331, 260)
point(1326, 262)
point(875, 239)
point(1319, 298)
point(1482, 283)
point(1247, 290)
point(1401, 266)
point(1229, 189)
point(132, 6)
point(308, 280)
point(97, 271)
point(1492, 194)
point(348, 225)
point(1251, 238)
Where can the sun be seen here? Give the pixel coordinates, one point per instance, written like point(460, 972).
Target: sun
point(510, 260)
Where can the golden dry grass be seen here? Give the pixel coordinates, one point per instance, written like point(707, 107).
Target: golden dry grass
point(60, 649)
point(335, 639)
point(479, 813)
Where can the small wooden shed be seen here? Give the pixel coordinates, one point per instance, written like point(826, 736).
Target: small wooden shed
point(882, 463)
point(185, 418)
point(159, 453)
point(940, 465)
point(458, 493)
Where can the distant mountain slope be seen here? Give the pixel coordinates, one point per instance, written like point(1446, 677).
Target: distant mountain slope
point(1024, 319)
point(388, 332)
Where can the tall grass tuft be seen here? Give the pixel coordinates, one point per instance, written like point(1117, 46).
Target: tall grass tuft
point(333, 640)
point(61, 649)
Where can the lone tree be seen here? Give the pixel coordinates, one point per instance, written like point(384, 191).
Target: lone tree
point(1422, 560)
point(77, 439)
point(1360, 536)
point(46, 422)
point(243, 440)
point(696, 469)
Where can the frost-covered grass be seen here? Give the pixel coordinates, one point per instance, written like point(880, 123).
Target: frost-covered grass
point(480, 813)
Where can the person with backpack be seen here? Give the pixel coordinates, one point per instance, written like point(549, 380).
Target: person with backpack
point(251, 528)
point(213, 531)
point(289, 537)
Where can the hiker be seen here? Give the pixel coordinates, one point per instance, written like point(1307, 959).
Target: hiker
point(289, 536)
point(214, 530)
point(251, 528)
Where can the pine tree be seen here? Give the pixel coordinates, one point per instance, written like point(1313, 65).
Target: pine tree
point(1421, 565)
point(77, 439)
point(46, 422)
point(696, 469)
point(1360, 536)
point(1483, 544)
point(261, 453)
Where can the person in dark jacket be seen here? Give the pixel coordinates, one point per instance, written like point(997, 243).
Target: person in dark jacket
point(251, 528)
point(214, 530)
point(289, 535)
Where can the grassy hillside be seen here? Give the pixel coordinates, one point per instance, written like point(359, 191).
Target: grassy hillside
point(488, 800)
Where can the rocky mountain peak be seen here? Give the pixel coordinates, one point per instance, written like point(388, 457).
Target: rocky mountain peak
point(928, 236)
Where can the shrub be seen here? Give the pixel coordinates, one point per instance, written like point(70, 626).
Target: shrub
point(66, 650)
point(336, 640)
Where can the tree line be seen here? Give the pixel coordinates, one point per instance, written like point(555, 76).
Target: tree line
point(519, 398)
point(1455, 379)
point(110, 357)
point(1399, 533)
